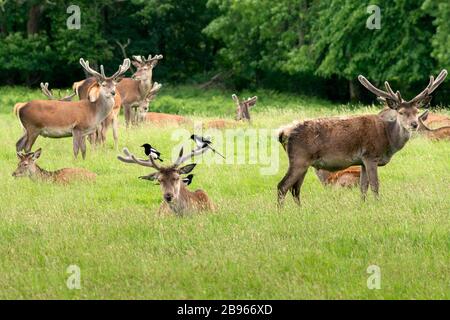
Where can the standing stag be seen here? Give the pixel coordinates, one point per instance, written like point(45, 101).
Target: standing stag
point(338, 143)
point(60, 119)
point(177, 198)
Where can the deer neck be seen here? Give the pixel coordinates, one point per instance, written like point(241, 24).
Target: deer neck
point(182, 203)
point(103, 107)
point(397, 135)
point(144, 87)
point(41, 174)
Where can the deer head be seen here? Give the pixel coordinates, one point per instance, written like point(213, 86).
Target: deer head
point(143, 106)
point(144, 67)
point(169, 177)
point(243, 107)
point(27, 164)
point(106, 86)
point(406, 112)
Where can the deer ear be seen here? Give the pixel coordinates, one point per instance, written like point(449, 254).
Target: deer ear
point(151, 176)
point(392, 104)
point(20, 155)
point(36, 154)
point(187, 169)
point(94, 93)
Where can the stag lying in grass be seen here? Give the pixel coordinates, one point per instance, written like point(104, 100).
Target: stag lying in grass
point(177, 198)
point(27, 167)
point(337, 143)
point(243, 107)
point(433, 134)
point(60, 119)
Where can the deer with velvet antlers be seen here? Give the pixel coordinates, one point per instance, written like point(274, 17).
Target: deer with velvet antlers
point(368, 141)
point(60, 119)
point(177, 198)
point(243, 107)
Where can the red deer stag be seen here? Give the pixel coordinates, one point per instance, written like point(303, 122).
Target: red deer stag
point(27, 167)
point(243, 107)
point(337, 143)
point(177, 198)
point(140, 111)
point(60, 119)
point(433, 134)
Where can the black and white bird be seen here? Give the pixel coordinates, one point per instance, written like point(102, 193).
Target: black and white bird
point(150, 151)
point(202, 142)
point(188, 179)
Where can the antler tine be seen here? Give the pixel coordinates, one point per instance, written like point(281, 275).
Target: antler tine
point(251, 101)
point(155, 88)
point(85, 65)
point(46, 91)
point(131, 158)
point(122, 69)
point(138, 58)
point(432, 85)
point(156, 57)
point(102, 71)
point(69, 97)
point(376, 91)
point(197, 151)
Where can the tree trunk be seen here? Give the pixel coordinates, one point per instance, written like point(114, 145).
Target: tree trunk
point(34, 16)
point(353, 91)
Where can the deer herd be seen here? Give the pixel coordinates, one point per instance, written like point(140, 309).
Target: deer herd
point(344, 151)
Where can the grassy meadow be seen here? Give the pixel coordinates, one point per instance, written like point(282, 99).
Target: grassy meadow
point(245, 250)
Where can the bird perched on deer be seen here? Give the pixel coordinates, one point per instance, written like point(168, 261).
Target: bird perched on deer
point(177, 198)
point(152, 152)
point(27, 167)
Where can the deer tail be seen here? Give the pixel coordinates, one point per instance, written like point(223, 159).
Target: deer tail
point(17, 108)
point(284, 133)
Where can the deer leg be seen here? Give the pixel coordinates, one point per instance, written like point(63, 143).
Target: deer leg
point(76, 144)
point(372, 174)
point(127, 114)
point(295, 190)
point(31, 139)
point(363, 182)
point(83, 146)
point(21, 143)
point(115, 130)
point(292, 177)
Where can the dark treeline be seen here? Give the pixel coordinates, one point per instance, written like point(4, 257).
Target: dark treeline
point(311, 47)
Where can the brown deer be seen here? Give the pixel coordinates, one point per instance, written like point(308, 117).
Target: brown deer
point(161, 119)
point(27, 167)
point(243, 107)
point(177, 198)
point(337, 143)
point(135, 89)
point(347, 178)
point(60, 119)
point(433, 134)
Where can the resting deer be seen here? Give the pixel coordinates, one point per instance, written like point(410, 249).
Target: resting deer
point(27, 167)
point(338, 143)
point(177, 198)
point(60, 119)
point(48, 93)
point(243, 107)
point(347, 178)
point(434, 134)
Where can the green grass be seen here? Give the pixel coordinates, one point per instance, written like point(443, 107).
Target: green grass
point(246, 250)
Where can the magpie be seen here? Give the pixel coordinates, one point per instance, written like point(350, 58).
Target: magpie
point(202, 142)
point(188, 179)
point(149, 150)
